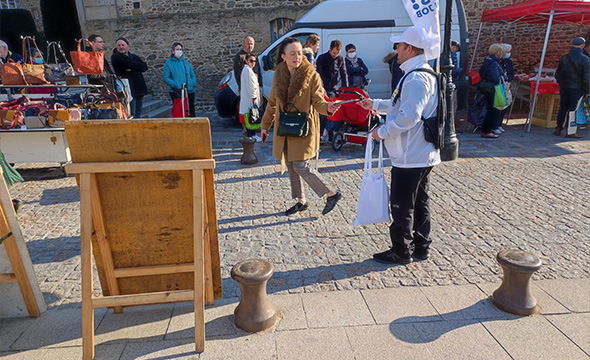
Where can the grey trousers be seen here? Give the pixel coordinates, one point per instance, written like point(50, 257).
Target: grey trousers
point(303, 169)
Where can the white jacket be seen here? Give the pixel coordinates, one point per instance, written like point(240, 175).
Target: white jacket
point(249, 90)
point(403, 131)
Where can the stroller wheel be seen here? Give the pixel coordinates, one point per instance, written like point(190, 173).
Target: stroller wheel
point(337, 141)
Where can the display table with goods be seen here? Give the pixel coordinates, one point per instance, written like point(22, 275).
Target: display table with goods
point(32, 129)
point(523, 89)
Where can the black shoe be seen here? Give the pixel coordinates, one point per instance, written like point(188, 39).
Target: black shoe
point(331, 202)
point(16, 204)
point(421, 254)
point(297, 207)
point(389, 257)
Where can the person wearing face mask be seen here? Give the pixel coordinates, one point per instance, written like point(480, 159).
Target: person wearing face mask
point(355, 67)
point(508, 68)
point(130, 66)
point(178, 72)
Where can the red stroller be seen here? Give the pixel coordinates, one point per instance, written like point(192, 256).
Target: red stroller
point(357, 122)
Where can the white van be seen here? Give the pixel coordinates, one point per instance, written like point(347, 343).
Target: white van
point(368, 24)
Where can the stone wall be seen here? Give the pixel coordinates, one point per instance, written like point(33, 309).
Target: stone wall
point(210, 36)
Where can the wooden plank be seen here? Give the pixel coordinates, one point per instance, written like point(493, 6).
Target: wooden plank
point(7, 278)
point(86, 265)
point(8, 224)
point(154, 270)
point(136, 166)
point(144, 299)
point(209, 296)
point(198, 209)
point(101, 239)
point(213, 234)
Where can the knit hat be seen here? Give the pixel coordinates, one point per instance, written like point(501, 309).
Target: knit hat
point(122, 38)
point(578, 41)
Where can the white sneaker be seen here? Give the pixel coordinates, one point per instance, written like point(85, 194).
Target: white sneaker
point(501, 129)
point(497, 131)
point(258, 138)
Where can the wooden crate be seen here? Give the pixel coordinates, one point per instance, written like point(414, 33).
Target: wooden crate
point(546, 110)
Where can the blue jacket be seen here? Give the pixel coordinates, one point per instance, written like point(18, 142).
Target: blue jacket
point(178, 72)
point(508, 67)
point(491, 70)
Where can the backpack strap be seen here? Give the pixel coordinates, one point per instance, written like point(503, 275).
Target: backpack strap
point(401, 82)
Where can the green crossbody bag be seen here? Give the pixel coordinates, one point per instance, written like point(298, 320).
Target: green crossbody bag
point(293, 124)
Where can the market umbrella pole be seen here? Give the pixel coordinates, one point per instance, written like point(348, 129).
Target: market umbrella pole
point(529, 120)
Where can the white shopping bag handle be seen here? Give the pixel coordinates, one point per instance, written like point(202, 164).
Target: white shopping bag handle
point(369, 156)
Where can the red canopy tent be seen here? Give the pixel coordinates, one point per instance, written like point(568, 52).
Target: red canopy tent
point(570, 12)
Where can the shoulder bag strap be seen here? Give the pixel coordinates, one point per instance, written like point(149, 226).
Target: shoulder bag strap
point(292, 105)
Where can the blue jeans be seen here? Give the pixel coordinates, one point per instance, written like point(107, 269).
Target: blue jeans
point(136, 106)
point(568, 99)
point(332, 127)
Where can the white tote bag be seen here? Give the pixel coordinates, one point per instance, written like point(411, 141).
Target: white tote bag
point(373, 204)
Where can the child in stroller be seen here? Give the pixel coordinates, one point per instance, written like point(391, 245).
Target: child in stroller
point(356, 122)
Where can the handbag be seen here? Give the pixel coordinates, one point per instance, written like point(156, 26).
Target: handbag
point(12, 73)
point(373, 203)
point(292, 124)
point(57, 72)
point(252, 118)
point(34, 73)
point(500, 101)
point(60, 114)
point(87, 62)
point(105, 108)
point(583, 111)
point(11, 119)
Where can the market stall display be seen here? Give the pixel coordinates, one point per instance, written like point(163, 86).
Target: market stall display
point(549, 12)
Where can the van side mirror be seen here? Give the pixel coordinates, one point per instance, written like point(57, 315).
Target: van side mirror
point(267, 63)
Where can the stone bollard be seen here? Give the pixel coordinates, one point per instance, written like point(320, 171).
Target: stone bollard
point(514, 295)
point(248, 157)
point(255, 312)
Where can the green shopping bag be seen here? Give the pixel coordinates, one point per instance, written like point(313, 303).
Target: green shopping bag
point(500, 102)
point(250, 126)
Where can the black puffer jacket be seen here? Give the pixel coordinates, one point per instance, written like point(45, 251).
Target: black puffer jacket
point(573, 71)
point(130, 67)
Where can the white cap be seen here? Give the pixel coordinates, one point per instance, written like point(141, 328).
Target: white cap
point(419, 37)
point(416, 36)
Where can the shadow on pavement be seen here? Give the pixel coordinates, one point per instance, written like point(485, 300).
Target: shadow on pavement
point(430, 328)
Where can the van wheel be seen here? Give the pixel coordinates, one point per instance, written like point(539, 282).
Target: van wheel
point(337, 141)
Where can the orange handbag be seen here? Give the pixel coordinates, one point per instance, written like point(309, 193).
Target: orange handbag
point(34, 73)
point(87, 62)
point(12, 73)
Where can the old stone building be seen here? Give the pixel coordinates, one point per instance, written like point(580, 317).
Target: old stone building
point(212, 31)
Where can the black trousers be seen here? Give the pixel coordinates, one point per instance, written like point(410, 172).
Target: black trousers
point(409, 201)
point(191, 102)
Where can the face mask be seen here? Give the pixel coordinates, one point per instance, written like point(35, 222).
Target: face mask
point(507, 56)
point(38, 61)
point(351, 55)
point(178, 53)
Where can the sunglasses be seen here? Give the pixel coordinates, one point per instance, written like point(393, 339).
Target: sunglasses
point(252, 60)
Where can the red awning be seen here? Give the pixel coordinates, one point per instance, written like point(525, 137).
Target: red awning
point(574, 12)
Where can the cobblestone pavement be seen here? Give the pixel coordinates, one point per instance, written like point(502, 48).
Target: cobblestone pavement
point(525, 191)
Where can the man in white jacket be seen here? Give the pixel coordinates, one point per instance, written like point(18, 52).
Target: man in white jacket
point(412, 157)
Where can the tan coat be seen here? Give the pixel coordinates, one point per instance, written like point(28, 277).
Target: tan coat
point(305, 91)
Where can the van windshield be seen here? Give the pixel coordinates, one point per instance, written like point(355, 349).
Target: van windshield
point(272, 55)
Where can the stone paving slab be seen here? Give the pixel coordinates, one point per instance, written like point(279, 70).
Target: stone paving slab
point(407, 304)
point(534, 338)
point(575, 326)
point(326, 344)
point(459, 339)
point(379, 342)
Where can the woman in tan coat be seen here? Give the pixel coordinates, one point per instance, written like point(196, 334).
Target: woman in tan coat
point(296, 81)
